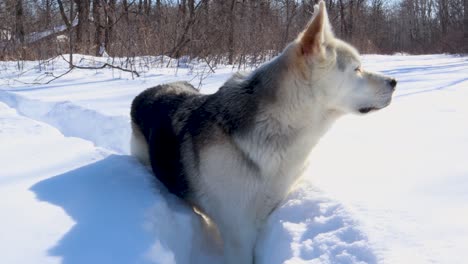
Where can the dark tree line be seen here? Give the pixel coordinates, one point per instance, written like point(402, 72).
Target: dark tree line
point(238, 31)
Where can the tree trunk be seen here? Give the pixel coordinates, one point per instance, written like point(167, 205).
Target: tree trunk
point(147, 7)
point(109, 10)
point(232, 21)
point(290, 14)
point(191, 7)
point(344, 29)
point(98, 34)
point(351, 19)
point(82, 29)
point(465, 26)
point(140, 7)
point(19, 18)
point(126, 16)
point(182, 9)
point(48, 15)
point(63, 14)
point(443, 15)
point(70, 36)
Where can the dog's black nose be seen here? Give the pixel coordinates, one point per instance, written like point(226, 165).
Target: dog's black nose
point(392, 83)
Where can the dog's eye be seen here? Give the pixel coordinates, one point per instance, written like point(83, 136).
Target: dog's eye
point(358, 69)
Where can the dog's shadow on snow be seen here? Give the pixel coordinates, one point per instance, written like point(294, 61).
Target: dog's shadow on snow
point(120, 214)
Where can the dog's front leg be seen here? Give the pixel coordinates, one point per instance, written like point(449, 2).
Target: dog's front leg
point(239, 235)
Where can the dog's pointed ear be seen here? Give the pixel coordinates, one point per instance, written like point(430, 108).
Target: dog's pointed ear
point(317, 31)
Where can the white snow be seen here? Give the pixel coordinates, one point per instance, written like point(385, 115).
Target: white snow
point(388, 187)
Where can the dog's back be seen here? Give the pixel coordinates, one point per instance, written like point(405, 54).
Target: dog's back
point(154, 139)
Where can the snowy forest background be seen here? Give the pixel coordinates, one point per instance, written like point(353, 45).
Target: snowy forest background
point(236, 31)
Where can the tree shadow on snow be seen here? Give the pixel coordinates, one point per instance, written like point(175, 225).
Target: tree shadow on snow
point(119, 216)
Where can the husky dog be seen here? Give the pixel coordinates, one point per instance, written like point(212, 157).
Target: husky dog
point(236, 153)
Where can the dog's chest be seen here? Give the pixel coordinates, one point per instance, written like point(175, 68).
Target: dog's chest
point(255, 172)
point(279, 160)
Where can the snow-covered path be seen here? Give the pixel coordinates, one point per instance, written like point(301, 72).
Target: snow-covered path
point(390, 187)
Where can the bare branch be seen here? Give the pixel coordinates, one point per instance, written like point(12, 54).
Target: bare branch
point(102, 67)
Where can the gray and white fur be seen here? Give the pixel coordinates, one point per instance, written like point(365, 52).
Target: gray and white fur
point(235, 154)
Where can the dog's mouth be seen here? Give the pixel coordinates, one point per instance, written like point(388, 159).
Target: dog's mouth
point(366, 110)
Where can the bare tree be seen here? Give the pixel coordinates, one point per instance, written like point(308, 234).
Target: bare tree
point(109, 7)
point(99, 34)
point(63, 14)
point(70, 36)
point(83, 28)
point(465, 25)
point(19, 18)
point(232, 23)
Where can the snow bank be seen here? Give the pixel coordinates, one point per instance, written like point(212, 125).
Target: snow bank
point(111, 132)
point(311, 228)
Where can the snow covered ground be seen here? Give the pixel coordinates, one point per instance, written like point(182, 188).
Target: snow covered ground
point(389, 187)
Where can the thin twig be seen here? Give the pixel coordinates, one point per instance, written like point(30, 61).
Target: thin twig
point(102, 67)
point(208, 63)
point(49, 81)
point(56, 77)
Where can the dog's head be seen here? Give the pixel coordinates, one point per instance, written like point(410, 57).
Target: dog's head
point(334, 68)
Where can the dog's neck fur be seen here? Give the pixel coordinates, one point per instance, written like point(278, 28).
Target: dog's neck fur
point(288, 128)
point(302, 104)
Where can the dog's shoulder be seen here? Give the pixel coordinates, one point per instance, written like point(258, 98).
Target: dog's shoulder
point(231, 109)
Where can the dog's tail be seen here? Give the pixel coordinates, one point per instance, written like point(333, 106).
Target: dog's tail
point(151, 115)
point(139, 145)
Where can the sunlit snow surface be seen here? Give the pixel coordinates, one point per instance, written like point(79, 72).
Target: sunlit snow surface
point(388, 187)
